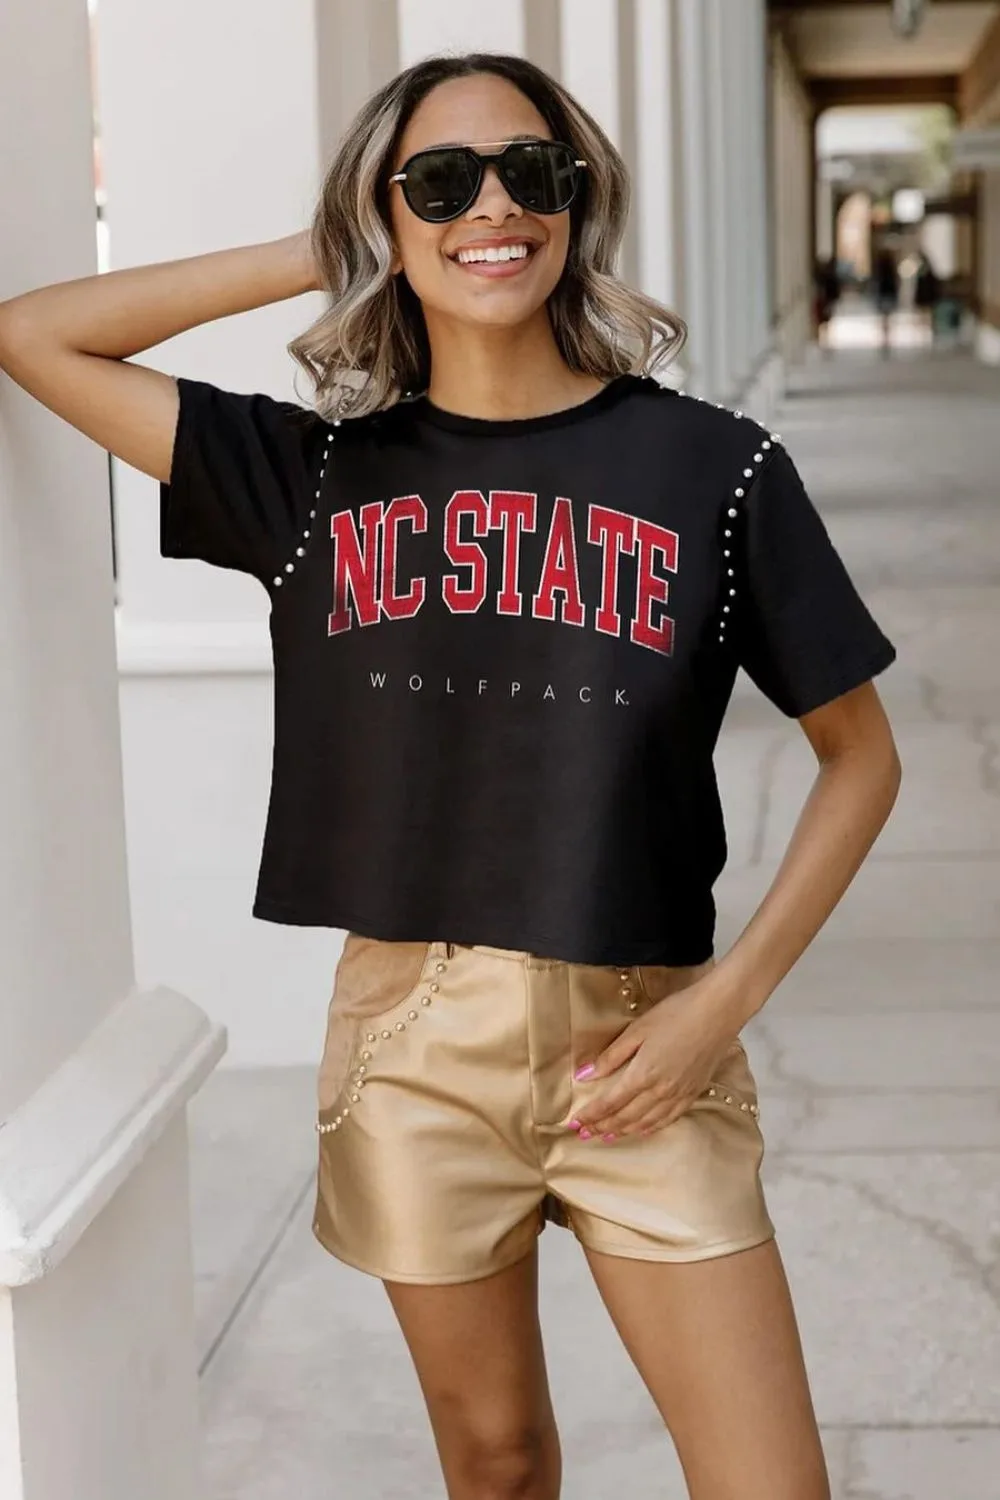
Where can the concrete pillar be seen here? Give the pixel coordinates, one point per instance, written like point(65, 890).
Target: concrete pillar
point(527, 28)
point(267, 91)
point(757, 227)
point(599, 68)
point(97, 1366)
point(658, 179)
point(722, 188)
point(699, 308)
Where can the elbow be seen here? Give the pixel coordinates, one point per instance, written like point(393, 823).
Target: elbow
point(18, 334)
point(893, 773)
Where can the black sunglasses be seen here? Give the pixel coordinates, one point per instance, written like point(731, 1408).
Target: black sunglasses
point(443, 181)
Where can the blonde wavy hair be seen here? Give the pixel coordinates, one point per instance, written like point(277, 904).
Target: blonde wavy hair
point(370, 347)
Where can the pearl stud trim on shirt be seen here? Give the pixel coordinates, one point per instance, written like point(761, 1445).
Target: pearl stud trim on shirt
point(739, 493)
point(300, 551)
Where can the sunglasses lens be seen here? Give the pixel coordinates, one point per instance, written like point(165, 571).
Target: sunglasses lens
point(439, 184)
point(541, 175)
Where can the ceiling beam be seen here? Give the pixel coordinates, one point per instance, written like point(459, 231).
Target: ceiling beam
point(980, 85)
point(791, 7)
point(916, 88)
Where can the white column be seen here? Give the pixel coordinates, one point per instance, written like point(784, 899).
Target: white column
point(741, 86)
point(758, 220)
point(599, 68)
point(722, 184)
point(700, 308)
point(658, 178)
point(428, 26)
point(97, 1370)
point(218, 122)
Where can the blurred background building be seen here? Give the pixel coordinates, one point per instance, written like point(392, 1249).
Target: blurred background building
point(813, 182)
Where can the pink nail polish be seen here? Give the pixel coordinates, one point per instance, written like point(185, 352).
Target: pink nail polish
point(574, 1124)
point(610, 1136)
point(585, 1135)
point(584, 1072)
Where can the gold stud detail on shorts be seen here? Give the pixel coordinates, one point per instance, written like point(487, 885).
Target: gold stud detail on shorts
point(357, 1077)
point(753, 1109)
point(633, 1005)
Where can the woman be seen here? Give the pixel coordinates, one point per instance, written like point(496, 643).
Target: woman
point(885, 282)
point(511, 580)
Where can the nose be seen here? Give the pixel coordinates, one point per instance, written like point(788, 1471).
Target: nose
point(493, 199)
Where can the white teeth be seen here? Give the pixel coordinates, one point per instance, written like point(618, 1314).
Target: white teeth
point(492, 254)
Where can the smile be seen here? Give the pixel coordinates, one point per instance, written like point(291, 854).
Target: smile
point(494, 261)
point(493, 254)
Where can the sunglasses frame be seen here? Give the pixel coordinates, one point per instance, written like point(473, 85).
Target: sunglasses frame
point(482, 160)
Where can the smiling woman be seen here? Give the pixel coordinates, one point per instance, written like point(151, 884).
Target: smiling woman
point(511, 578)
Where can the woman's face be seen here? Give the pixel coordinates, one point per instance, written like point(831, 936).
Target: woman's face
point(484, 111)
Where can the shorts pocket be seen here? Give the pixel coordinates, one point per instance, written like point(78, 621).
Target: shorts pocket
point(374, 979)
point(734, 1085)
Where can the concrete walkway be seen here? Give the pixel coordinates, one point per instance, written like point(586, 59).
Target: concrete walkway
point(878, 1062)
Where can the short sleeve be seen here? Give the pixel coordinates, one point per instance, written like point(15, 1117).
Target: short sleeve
point(805, 634)
point(243, 470)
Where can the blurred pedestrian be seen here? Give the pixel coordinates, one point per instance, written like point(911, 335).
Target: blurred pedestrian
point(826, 294)
point(885, 285)
point(927, 293)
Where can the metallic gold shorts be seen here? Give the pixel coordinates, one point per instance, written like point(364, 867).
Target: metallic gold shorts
point(445, 1092)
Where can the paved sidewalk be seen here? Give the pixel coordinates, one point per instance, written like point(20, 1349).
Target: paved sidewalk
point(878, 1062)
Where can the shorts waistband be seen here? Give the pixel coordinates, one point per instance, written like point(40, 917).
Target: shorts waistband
point(514, 955)
point(517, 954)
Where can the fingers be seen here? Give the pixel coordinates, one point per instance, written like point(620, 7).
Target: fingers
point(637, 1113)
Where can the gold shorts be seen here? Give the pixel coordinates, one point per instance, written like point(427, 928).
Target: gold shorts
point(445, 1092)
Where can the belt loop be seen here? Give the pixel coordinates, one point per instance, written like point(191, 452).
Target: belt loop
point(449, 950)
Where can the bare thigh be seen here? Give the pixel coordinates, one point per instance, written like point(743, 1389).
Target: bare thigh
point(477, 1350)
point(717, 1345)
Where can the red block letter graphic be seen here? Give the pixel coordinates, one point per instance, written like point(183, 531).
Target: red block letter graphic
point(510, 512)
point(355, 571)
point(615, 532)
point(404, 508)
point(465, 600)
point(652, 586)
point(560, 573)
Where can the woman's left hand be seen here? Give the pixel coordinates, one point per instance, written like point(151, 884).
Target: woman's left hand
point(657, 1066)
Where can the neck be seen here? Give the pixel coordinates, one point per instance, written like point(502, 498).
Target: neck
point(502, 373)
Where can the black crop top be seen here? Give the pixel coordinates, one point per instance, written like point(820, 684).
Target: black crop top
point(503, 651)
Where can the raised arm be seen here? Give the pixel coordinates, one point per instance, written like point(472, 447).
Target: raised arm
point(69, 344)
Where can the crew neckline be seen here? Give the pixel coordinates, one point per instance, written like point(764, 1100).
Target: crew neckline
point(454, 421)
